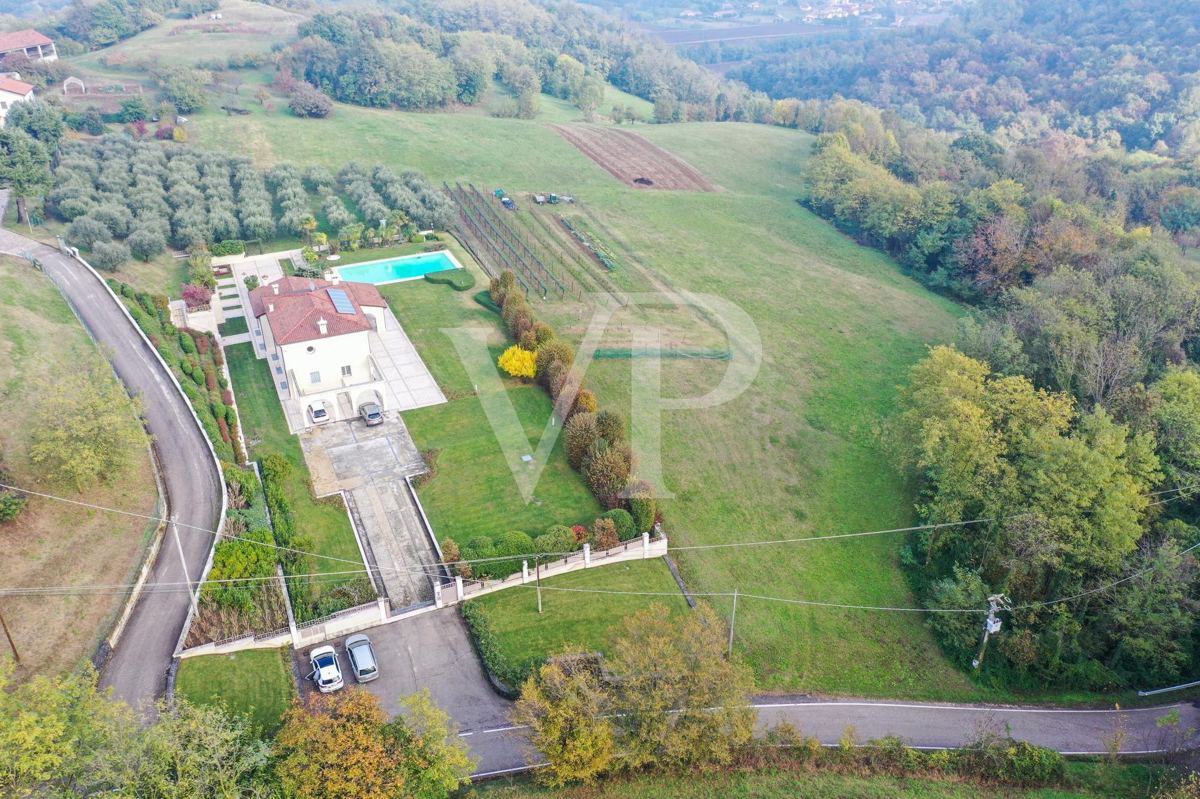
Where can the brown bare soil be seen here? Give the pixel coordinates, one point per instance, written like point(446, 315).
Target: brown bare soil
point(633, 160)
point(53, 543)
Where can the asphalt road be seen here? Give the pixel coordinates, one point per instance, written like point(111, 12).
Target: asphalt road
point(137, 670)
point(433, 651)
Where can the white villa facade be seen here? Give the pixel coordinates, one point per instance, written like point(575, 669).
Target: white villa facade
point(320, 334)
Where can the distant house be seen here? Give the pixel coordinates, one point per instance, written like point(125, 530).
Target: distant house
point(755, 5)
point(689, 14)
point(320, 332)
point(725, 13)
point(29, 43)
point(11, 92)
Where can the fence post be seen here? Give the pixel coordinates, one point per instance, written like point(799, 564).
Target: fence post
point(524, 572)
point(587, 556)
point(437, 594)
point(383, 611)
point(645, 545)
point(458, 587)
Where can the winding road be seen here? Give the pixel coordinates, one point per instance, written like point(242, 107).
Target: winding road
point(137, 671)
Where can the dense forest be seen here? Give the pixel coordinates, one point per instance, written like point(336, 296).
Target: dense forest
point(1067, 416)
point(425, 54)
point(1118, 71)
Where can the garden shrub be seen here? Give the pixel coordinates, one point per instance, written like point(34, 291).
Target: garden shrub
point(623, 522)
point(227, 247)
point(484, 298)
point(611, 425)
point(606, 472)
point(642, 506)
point(585, 402)
point(276, 468)
point(518, 362)
point(580, 435)
point(542, 332)
point(603, 535)
point(514, 543)
point(553, 351)
point(187, 343)
point(558, 538)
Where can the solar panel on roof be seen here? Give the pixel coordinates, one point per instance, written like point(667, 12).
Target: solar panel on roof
point(341, 301)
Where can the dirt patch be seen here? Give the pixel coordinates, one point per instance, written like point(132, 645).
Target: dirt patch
point(633, 160)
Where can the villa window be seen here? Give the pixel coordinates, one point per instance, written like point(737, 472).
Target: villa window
point(346, 371)
point(315, 377)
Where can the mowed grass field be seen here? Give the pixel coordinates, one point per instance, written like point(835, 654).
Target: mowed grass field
point(256, 683)
point(573, 619)
point(473, 492)
point(252, 27)
point(795, 455)
point(53, 543)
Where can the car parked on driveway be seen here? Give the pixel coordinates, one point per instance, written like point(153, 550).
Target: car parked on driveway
point(326, 672)
point(362, 658)
point(318, 413)
point(371, 413)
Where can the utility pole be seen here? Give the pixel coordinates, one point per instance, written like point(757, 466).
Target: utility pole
point(732, 622)
point(183, 562)
point(537, 570)
point(991, 625)
point(8, 635)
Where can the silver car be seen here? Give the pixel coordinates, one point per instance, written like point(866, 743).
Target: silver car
point(362, 658)
point(371, 413)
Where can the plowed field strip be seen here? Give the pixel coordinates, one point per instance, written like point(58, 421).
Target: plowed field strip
point(629, 157)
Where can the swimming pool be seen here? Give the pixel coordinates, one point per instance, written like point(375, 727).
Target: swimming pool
point(393, 270)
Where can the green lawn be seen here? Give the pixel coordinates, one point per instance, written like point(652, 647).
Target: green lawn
point(474, 492)
point(234, 326)
point(587, 621)
point(256, 683)
point(324, 523)
point(798, 453)
point(1084, 781)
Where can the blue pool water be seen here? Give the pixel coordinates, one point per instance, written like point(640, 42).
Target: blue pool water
point(393, 270)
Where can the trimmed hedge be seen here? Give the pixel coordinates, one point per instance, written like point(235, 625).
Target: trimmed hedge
point(227, 247)
point(484, 298)
point(457, 279)
point(506, 678)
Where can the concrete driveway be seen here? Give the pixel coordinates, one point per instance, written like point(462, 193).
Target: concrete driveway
point(370, 464)
point(433, 651)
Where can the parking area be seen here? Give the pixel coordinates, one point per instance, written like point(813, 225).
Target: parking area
point(431, 651)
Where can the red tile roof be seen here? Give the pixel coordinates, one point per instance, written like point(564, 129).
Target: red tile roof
point(15, 86)
point(300, 303)
point(19, 40)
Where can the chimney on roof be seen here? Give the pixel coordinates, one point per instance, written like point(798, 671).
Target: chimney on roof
point(276, 287)
point(323, 326)
point(270, 307)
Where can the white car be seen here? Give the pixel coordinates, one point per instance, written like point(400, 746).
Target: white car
point(318, 414)
point(326, 672)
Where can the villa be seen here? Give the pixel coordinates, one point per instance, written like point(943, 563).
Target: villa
point(318, 335)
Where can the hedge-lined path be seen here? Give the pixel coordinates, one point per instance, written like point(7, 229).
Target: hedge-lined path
point(138, 668)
